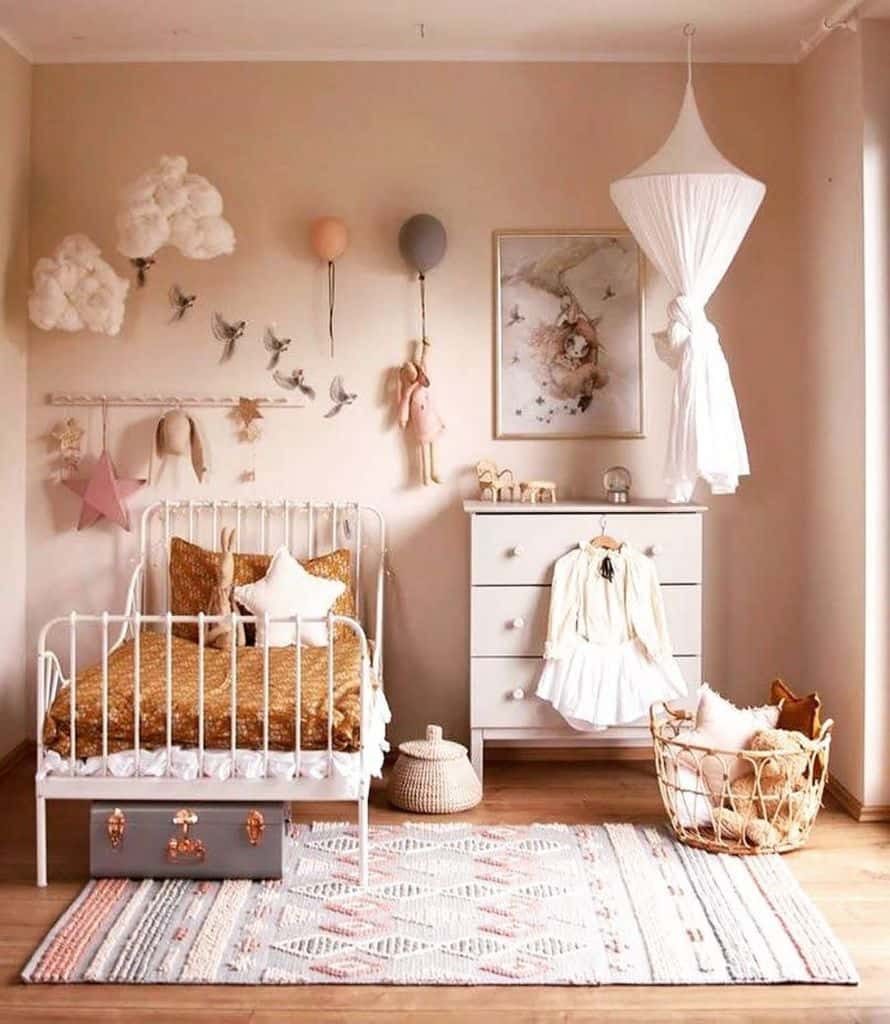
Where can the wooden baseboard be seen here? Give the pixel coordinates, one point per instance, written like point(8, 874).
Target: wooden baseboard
point(853, 806)
point(578, 754)
point(18, 753)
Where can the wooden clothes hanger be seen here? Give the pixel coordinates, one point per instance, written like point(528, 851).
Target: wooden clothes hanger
point(603, 540)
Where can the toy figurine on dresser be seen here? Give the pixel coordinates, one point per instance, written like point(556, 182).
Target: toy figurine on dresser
point(494, 484)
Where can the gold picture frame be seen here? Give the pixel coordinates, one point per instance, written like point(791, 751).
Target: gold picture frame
point(574, 383)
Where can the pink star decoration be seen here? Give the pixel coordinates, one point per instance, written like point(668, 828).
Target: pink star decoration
point(103, 494)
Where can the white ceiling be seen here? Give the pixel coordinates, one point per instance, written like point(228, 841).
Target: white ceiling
point(51, 31)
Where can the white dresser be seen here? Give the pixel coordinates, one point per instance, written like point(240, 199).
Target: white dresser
point(513, 548)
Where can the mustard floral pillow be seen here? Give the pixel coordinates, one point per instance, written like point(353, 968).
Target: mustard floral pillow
point(193, 576)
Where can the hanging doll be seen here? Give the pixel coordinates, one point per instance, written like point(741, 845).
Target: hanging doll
point(417, 412)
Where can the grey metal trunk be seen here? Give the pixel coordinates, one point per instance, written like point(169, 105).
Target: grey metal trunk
point(148, 839)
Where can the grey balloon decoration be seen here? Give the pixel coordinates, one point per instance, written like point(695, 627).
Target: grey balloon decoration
point(422, 243)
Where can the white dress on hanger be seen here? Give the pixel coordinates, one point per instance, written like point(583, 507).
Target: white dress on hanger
point(608, 655)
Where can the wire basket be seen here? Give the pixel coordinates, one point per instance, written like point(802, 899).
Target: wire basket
point(737, 801)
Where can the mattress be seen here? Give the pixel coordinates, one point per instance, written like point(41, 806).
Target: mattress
point(345, 721)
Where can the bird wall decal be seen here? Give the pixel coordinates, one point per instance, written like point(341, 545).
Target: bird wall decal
point(294, 381)
point(180, 302)
point(339, 396)
point(142, 264)
point(228, 333)
point(276, 346)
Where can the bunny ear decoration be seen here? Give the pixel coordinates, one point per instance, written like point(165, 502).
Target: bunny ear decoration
point(157, 451)
point(177, 433)
point(199, 460)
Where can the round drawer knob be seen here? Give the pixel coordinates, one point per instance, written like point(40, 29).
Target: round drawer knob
point(517, 623)
point(515, 551)
point(653, 550)
point(518, 693)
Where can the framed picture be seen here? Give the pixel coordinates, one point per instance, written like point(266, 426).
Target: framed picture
point(568, 335)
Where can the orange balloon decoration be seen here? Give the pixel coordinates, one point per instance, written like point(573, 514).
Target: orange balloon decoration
point(329, 238)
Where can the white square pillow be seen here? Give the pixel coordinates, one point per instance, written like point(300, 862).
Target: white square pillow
point(288, 589)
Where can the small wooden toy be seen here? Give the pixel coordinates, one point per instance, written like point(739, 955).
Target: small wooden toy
point(494, 483)
point(534, 491)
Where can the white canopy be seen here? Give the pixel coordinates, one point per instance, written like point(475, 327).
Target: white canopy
point(689, 208)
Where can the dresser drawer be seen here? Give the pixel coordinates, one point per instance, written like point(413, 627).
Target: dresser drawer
point(520, 548)
point(512, 621)
point(493, 704)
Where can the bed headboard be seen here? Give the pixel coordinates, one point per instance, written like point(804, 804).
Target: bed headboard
point(307, 528)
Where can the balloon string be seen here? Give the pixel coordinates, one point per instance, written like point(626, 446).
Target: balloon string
point(104, 426)
point(332, 292)
point(422, 280)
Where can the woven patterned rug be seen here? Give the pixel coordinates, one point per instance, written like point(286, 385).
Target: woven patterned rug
point(458, 904)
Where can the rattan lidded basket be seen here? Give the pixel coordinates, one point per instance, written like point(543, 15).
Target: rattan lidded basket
point(433, 776)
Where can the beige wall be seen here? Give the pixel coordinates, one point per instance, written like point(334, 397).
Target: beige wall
point(832, 374)
point(482, 147)
point(844, 157)
point(15, 120)
point(876, 267)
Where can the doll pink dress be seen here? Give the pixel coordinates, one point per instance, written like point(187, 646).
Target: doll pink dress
point(416, 408)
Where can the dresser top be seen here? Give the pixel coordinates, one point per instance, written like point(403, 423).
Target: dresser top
point(594, 507)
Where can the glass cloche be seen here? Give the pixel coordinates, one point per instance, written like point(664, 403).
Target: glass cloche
point(616, 483)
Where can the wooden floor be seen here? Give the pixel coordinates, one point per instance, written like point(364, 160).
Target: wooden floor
point(846, 870)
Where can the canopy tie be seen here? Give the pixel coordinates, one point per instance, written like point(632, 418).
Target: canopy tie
point(687, 323)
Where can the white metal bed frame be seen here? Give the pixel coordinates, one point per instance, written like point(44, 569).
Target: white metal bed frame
point(345, 521)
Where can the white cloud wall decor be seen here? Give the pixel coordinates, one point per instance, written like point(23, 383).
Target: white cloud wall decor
point(170, 206)
point(75, 290)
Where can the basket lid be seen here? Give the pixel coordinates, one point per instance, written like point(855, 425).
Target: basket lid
point(434, 747)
